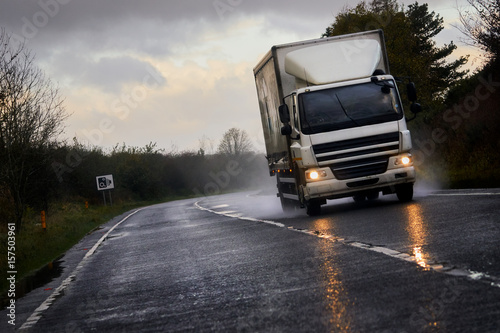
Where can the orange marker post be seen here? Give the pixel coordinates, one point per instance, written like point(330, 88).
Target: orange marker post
point(44, 224)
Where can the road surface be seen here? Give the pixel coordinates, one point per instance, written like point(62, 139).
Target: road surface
point(236, 263)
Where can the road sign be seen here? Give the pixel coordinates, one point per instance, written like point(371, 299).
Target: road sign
point(105, 182)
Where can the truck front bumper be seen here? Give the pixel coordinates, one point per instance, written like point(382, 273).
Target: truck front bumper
point(334, 188)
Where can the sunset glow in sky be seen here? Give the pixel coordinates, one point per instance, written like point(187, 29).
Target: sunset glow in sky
point(170, 72)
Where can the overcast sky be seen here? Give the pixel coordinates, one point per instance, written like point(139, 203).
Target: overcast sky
point(171, 72)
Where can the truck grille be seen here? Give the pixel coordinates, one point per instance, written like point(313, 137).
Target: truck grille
point(358, 157)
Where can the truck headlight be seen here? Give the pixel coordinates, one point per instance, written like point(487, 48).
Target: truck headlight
point(405, 160)
point(315, 174)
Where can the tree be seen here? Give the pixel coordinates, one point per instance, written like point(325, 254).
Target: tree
point(410, 46)
point(206, 146)
point(381, 6)
point(31, 117)
point(481, 26)
point(235, 142)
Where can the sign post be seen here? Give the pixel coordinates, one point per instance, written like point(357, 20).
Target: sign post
point(105, 183)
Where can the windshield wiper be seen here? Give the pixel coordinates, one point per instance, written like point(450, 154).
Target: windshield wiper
point(385, 84)
point(345, 111)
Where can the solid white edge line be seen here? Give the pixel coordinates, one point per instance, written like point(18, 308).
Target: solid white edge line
point(425, 263)
point(461, 194)
point(37, 314)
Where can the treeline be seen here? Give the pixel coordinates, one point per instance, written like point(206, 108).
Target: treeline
point(456, 140)
point(139, 173)
point(458, 144)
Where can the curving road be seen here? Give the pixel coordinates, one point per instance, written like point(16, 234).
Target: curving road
point(236, 263)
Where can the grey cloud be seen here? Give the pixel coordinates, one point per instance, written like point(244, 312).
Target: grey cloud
point(150, 26)
point(110, 74)
point(67, 16)
point(100, 42)
point(146, 26)
point(98, 15)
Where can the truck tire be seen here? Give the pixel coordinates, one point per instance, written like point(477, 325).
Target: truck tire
point(373, 195)
point(313, 208)
point(404, 192)
point(359, 198)
point(288, 205)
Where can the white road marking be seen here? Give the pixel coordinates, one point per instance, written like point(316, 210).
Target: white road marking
point(459, 193)
point(462, 194)
point(425, 263)
point(220, 206)
point(37, 314)
point(238, 216)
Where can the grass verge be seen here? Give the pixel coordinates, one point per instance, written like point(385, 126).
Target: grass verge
point(67, 224)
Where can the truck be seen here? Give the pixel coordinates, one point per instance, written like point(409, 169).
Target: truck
point(333, 121)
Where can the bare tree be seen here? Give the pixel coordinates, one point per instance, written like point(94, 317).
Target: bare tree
point(481, 26)
point(235, 142)
point(31, 119)
point(206, 145)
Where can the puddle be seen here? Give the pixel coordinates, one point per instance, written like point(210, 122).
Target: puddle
point(36, 280)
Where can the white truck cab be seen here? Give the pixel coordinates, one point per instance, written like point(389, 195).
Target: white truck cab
point(333, 121)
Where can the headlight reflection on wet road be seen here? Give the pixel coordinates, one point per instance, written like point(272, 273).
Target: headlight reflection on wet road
point(417, 232)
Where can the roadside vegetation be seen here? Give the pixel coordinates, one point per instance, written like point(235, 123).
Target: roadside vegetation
point(142, 175)
point(66, 224)
point(456, 140)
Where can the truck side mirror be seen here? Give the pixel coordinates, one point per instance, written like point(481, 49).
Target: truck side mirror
point(415, 108)
point(411, 92)
point(284, 113)
point(286, 130)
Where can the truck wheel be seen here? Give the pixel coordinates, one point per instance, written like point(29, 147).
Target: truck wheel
point(313, 208)
point(359, 198)
point(404, 192)
point(288, 205)
point(373, 195)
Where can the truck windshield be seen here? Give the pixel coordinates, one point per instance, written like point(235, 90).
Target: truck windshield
point(349, 106)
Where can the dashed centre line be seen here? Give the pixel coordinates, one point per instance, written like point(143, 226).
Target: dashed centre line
point(424, 263)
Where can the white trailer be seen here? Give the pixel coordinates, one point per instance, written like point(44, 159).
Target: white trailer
point(333, 121)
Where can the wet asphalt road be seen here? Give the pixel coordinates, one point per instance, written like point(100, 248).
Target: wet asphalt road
point(235, 263)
